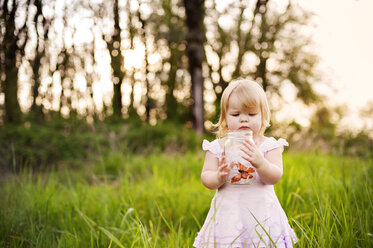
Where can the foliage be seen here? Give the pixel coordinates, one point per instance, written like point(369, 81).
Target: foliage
point(38, 146)
point(165, 137)
point(159, 201)
point(94, 57)
point(359, 144)
point(263, 41)
point(43, 145)
point(323, 134)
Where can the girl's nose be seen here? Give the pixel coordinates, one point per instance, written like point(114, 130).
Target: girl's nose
point(244, 118)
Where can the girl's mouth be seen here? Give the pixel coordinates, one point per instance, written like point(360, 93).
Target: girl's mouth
point(244, 128)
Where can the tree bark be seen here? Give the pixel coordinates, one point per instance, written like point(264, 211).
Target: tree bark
point(171, 103)
point(114, 46)
point(12, 51)
point(36, 109)
point(261, 71)
point(195, 40)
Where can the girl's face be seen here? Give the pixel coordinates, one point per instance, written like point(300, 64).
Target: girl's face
point(239, 118)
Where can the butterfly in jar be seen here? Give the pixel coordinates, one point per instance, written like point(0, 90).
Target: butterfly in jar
point(243, 172)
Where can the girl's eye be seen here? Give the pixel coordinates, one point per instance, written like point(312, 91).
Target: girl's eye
point(253, 114)
point(235, 114)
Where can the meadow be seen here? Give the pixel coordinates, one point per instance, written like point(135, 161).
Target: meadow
point(157, 200)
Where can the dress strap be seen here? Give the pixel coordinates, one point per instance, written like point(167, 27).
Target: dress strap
point(213, 146)
point(271, 143)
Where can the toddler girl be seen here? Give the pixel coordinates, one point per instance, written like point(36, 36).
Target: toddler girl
point(245, 211)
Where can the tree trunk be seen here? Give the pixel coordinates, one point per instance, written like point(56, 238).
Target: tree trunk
point(12, 109)
point(195, 39)
point(36, 110)
point(12, 50)
point(114, 46)
point(147, 84)
point(171, 103)
point(175, 37)
point(261, 71)
point(132, 113)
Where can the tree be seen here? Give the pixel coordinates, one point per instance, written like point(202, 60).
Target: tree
point(63, 68)
point(41, 29)
point(148, 99)
point(169, 32)
point(114, 47)
point(244, 39)
point(13, 41)
point(194, 10)
point(262, 41)
point(119, 37)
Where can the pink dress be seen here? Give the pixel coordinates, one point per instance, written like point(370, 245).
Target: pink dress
point(246, 213)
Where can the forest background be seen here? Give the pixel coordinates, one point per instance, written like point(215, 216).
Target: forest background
point(93, 86)
point(162, 61)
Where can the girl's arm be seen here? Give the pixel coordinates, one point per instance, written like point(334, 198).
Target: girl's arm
point(214, 173)
point(269, 168)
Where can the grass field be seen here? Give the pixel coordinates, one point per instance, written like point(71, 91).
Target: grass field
point(159, 201)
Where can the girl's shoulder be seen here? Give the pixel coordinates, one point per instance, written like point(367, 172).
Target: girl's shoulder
point(270, 143)
point(216, 146)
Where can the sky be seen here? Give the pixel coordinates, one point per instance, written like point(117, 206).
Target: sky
point(344, 40)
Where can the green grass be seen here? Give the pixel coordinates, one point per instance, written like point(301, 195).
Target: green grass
point(159, 201)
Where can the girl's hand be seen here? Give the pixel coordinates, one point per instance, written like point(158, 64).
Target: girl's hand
point(252, 154)
point(223, 169)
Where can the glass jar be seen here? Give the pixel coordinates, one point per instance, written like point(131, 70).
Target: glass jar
point(241, 172)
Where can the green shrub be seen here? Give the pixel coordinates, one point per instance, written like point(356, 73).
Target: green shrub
point(43, 146)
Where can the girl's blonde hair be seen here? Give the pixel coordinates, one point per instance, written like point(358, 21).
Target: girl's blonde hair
point(252, 97)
